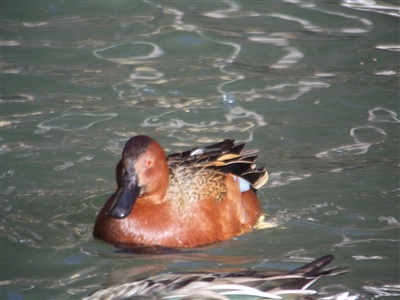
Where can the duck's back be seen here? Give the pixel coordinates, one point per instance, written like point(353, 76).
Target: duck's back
point(213, 190)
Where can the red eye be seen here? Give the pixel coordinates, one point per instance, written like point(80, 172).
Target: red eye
point(149, 163)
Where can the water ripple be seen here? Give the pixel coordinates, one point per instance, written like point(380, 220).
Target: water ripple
point(234, 10)
point(9, 190)
point(154, 66)
point(391, 221)
point(129, 54)
point(72, 122)
point(74, 23)
point(348, 242)
point(64, 166)
point(368, 135)
point(372, 6)
point(185, 21)
point(188, 125)
point(363, 136)
point(9, 173)
point(362, 257)
point(282, 178)
point(386, 290)
point(379, 114)
point(292, 58)
point(388, 47)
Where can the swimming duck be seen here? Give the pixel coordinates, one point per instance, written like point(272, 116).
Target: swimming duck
point(186, 199)
point(249, 284)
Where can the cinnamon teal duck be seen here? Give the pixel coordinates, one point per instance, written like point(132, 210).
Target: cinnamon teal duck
point(186, 199)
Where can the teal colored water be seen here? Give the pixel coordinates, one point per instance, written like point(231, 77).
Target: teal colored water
point(313, 85)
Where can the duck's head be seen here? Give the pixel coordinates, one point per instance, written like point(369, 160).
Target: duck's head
point(142, 172)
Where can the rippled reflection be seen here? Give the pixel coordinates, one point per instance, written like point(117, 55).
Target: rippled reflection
point(383, 7)
point(71, 122)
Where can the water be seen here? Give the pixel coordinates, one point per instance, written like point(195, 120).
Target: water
point(313, 85)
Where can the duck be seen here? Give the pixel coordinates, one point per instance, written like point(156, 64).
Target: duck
point(247, 284)
point(184, 200)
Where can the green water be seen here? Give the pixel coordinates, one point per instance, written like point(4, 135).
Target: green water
point(314, 86)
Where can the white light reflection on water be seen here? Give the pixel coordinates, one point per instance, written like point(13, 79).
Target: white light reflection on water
point(372, 6)
point(72, 122)
point(64, 166)
point(334, 295)
point(282, 178)
point(294, 55)
point(9, 190)
point(129, 54)
point(238, 122)
point(363, 136)
point(388, 47)
point(349, 242)
point(380, 114)
point(386, 290)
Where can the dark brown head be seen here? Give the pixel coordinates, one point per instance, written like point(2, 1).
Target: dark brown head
point(141, 173)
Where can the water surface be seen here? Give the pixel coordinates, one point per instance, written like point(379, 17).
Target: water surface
point(313, 85)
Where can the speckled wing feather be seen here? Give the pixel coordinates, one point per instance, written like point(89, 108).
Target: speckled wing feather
point(224, 157)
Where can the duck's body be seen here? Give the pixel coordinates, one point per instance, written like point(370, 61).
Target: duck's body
point(249, 284)
point(187, 199)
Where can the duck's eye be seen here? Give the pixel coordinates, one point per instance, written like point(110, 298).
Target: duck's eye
point(149, 163)
point(131, 185)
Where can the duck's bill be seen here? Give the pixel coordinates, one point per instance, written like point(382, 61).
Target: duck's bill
point(126, 198)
